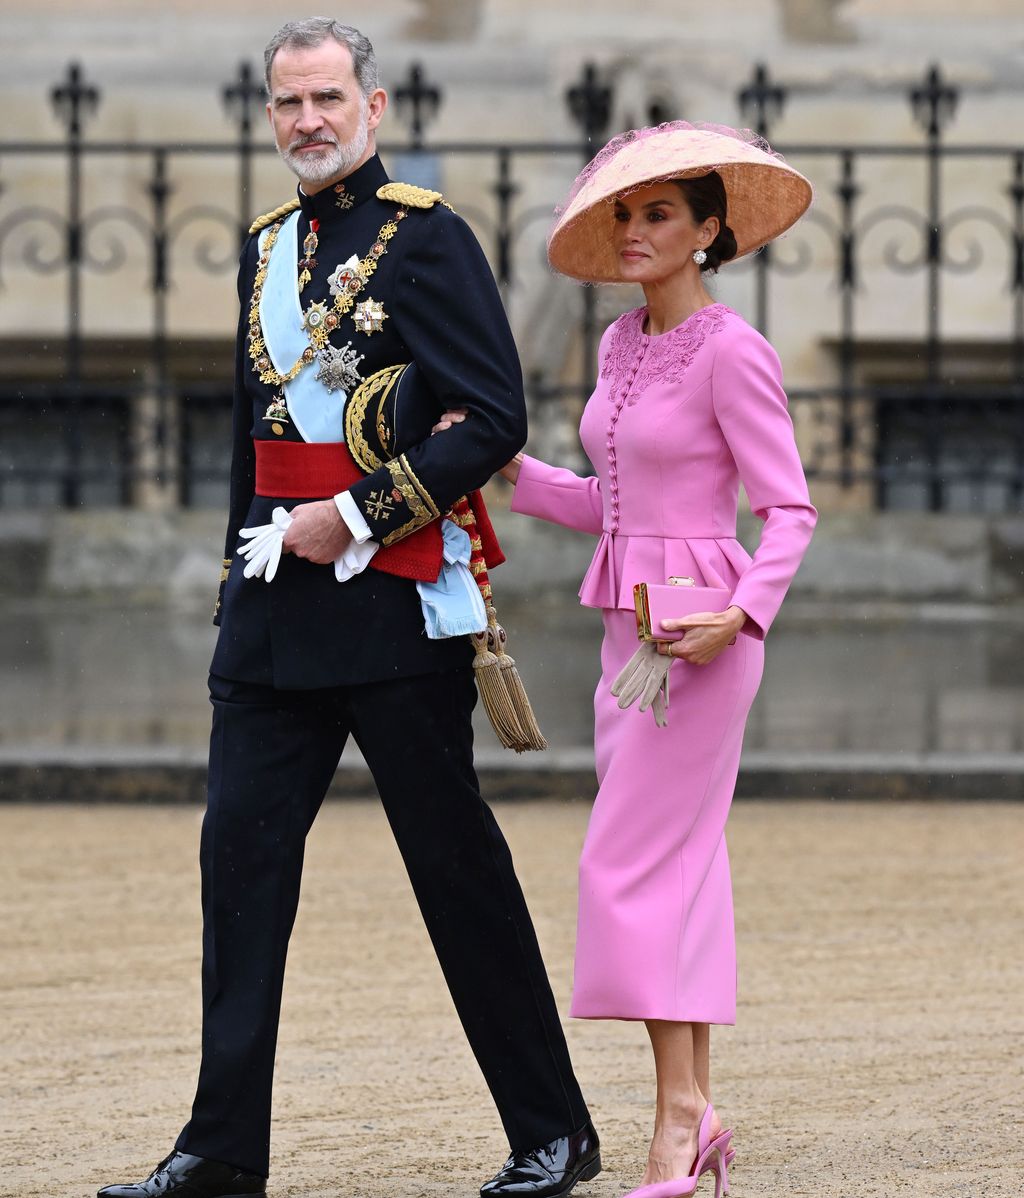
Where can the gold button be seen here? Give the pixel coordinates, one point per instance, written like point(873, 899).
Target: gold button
point(277, 430)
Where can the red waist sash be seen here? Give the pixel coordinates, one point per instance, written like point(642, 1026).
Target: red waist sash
point(320, 469)
point(303, 470)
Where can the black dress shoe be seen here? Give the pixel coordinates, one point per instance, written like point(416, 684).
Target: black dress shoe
point(550, 1171)
point(191, 1177)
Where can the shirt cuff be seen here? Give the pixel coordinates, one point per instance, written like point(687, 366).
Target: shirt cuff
point(357, 556)
point(354, 560)
point(352, 516)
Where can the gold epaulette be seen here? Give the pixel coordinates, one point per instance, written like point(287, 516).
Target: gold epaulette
point(409, 195)
point(268, 218)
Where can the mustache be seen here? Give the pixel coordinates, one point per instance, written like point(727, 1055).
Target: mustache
point(312, 140)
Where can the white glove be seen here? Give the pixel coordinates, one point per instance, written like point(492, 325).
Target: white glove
point(645, 677)
point(263, 552)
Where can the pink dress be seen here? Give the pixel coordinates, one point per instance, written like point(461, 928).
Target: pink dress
point(675, 423)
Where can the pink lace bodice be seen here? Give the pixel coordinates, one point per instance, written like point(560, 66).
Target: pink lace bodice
point(634, 360)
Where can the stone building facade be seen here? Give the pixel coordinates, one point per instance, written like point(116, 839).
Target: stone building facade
point(916, 334)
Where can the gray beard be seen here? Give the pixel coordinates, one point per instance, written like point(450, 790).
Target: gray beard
point(332, 162)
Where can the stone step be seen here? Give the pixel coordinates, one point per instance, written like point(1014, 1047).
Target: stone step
point(138, 775)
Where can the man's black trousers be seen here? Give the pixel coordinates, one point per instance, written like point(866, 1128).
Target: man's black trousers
point(272, 756)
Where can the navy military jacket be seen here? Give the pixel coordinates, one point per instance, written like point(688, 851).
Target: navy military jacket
point(305, 629)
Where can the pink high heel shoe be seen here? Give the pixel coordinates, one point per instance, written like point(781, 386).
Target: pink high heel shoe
point(711, 1156)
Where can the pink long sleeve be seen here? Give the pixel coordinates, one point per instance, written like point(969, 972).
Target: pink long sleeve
point(750, 405)
point(559, 496)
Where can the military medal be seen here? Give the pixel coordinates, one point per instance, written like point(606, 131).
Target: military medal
point(309, 248)
point(278, 413)
point(314, 318)
point(318, 321)
point(338, 368)
point(369, 317)
point(345, 274)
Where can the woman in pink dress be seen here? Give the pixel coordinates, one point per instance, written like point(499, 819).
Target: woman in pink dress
point(688, 405)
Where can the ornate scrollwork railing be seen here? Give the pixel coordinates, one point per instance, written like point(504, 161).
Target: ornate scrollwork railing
point(133, 207)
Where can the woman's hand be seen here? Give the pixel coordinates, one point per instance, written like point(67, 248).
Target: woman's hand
point(707, 634)
point(455, 416)
point(511, 469)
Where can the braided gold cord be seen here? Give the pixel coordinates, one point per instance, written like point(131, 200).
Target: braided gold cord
point(408, 195)
point(380, 383)
point(268, 218)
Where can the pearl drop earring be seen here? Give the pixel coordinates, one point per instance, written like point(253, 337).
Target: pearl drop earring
point(700, 257)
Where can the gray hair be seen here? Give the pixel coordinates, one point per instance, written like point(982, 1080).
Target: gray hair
point(314, 31)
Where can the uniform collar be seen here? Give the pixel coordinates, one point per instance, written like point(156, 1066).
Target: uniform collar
point(338, 200)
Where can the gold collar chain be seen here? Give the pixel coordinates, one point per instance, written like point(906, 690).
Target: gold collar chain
point(317, 320)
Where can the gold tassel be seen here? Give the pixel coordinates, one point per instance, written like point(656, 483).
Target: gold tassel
point(494, 693)
point(531, 735)
point(497, 679)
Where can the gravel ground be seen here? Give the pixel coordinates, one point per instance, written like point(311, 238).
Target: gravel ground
point(878, 1049)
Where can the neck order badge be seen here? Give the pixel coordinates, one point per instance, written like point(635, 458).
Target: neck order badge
point(309, 248)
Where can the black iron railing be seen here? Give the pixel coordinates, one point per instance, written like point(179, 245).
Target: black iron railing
point(106, 423)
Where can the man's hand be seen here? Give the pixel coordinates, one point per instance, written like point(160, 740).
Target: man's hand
point(317, 532)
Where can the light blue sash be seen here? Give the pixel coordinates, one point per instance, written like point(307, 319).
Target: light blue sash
point(315, 411)
point(453, 606)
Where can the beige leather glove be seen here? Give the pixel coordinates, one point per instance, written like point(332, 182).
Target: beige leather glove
point(645, 677)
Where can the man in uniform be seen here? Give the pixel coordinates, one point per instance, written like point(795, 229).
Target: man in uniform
point(324, 617)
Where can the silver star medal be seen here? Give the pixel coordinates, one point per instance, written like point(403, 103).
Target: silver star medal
point(338, 368)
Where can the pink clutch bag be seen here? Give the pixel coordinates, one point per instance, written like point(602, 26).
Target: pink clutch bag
point(669, 600)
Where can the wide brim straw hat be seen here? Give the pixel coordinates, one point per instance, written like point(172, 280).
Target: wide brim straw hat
point(764, 194)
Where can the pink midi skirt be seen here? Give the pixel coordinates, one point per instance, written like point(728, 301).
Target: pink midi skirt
point(655, 934)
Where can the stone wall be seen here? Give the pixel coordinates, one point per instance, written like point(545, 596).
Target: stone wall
point(855, 557)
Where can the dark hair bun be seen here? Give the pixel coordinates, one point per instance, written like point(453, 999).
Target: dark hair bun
point(705, 195)
point(721, 249)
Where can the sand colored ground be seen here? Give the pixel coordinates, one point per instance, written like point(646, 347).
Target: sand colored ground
point(878, 1049)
